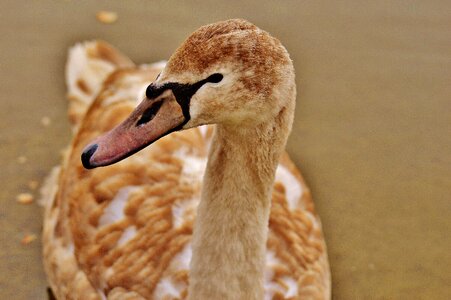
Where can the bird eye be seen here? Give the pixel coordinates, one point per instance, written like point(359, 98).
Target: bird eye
point(215, 78)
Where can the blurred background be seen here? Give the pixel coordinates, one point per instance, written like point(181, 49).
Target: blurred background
point(372, 134)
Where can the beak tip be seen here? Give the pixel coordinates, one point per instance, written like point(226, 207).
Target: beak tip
point(87, 154)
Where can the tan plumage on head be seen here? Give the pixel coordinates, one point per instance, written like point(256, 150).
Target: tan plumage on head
point(165, 223)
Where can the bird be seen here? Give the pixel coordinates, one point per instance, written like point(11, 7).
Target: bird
point(183, 189)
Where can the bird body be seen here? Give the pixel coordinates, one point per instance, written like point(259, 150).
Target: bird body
point(126, 231)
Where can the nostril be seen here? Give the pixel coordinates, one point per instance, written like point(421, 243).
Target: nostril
point(87, 154)
point(149, 113)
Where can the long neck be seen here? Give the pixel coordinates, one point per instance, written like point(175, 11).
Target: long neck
point(229, 241)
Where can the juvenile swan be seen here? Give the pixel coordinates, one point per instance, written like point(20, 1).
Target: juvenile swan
point(188, 216)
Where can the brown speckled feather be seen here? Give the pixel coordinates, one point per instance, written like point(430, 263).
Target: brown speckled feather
point(124, 231)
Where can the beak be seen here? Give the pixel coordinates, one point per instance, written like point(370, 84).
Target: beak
point(151, 120)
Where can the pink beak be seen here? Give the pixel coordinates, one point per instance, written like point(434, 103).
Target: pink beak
point(151, 120)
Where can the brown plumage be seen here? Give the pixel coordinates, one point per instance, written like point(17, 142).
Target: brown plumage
point(124, 231)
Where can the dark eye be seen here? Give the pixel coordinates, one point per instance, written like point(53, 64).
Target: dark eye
point(215, 78)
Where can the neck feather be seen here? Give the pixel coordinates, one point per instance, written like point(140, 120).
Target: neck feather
point(229, 240)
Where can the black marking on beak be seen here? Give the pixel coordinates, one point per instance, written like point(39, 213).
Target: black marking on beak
point(149, 113)
point(86, 156)
point(182, 92)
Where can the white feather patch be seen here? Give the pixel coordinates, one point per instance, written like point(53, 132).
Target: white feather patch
point(128, 234)
point(292, 186)
point(167, 287)
point(193, 166)
point(272, 287)
point(114, 212)
point(203, 130)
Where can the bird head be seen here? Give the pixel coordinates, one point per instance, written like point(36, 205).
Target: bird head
point(230, 73)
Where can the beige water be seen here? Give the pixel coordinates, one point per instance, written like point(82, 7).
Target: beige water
point(372, 133)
